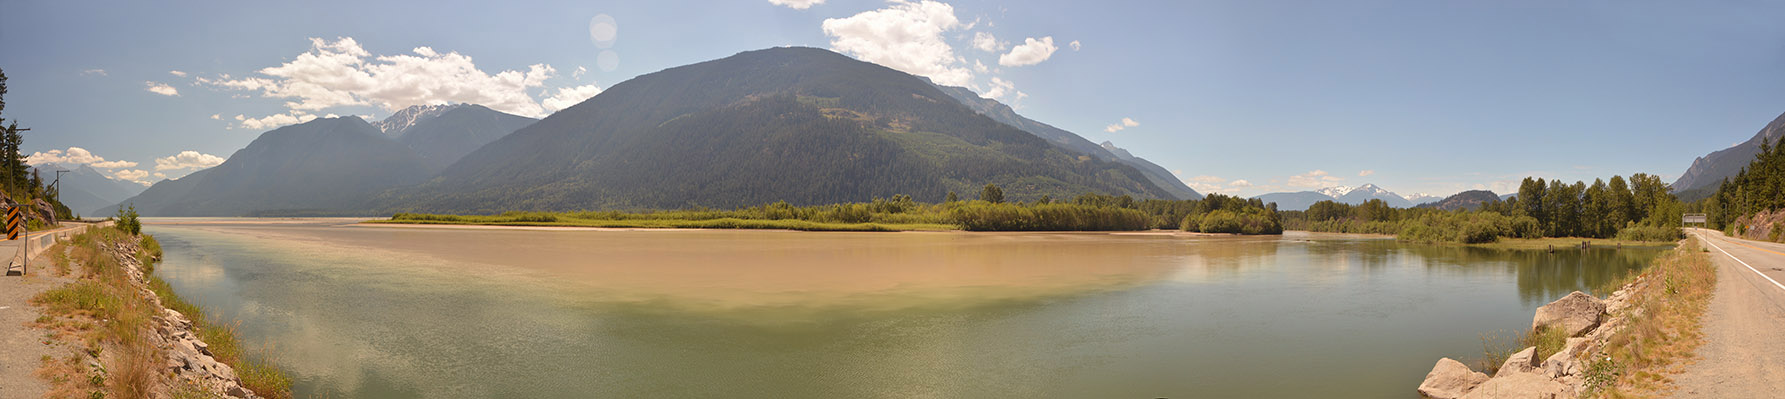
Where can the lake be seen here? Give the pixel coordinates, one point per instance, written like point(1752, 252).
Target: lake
point(361, 311)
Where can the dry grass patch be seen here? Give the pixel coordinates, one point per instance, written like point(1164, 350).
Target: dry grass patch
point(1662, 330)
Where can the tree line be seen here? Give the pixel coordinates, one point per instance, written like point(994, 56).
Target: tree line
point(19, 181)
point(1757, 188)
point(1639, 208)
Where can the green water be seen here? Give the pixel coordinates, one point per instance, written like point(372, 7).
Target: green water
point(398, 312)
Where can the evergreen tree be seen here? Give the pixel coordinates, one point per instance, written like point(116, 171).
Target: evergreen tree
point(991, 193)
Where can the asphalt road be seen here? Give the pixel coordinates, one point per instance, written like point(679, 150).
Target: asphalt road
point(1744, 351)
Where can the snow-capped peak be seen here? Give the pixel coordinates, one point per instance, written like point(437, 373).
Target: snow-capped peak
point(1335, 191)
point(394, 125)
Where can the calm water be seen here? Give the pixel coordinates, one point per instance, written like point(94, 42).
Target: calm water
point(402, 312)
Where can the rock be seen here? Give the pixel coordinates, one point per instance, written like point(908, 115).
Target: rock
point(1519, 386)
point(236, 391)
point(1449, 379)
point(1576, 313)
point(1563, 363)
point(1524, 361)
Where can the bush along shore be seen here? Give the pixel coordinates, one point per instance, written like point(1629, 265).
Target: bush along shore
point(129, 336)
point(1582, 346)
point(1090, 212)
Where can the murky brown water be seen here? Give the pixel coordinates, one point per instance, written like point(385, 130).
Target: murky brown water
point(403, 312)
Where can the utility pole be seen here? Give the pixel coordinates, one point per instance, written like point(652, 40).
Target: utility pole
point(56, 190)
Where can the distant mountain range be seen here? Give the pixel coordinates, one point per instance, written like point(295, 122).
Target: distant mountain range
point(1710, 170)
point(1301, 200)
point(84, 189)
point(1467, 200)
point(804, 125)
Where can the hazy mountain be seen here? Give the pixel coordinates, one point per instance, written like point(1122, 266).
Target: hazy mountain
point(1296, 201)
point(1367, 192)
point(804, 125)
point(396, 124)
point(1464, 200)
point(441, 138)
point(1070, 141)
point(327, 166)
point(1353, 195)
point(85, 189)
point(1421, 198)
point(1709, 170)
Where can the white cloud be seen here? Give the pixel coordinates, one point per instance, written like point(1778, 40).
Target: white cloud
point(1240, 183)
point(568, 96)
point(1118, 126)
point(75, 156)
point(979, 66)
point(341, 73)
point(906, 36)
point(797, 4)
point(137, 176)
point(217, 117)
point(1213, 184)
point(1031, 52)
point(93, 72)
point(177, 73)
point(274, 120)
point(162, 89)
point(1000, 88)
point(578, 73)
point(1074, 45)
point(1365, 173)
point(984, 41)
point(1314, 179)
point(187, 160)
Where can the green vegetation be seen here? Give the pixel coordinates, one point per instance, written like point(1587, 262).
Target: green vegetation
point(1089, 212)
point(1664, 327)
point(1742, 203)
point(104, 312)
point(19, 182)
point(1640, 210)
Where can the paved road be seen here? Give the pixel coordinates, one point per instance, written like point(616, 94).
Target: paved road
point(1744, 351)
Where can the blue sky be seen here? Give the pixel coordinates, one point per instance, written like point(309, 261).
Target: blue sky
point(1239, 97)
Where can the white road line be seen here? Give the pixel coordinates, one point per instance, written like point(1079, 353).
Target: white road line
point(1750, 267)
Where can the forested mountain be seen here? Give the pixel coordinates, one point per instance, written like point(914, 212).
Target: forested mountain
point(1295, 201)
point(1710, 170)
point(444, 137)
point(803, 125)
point(1467, 200)
point(328, 166)
point(84, 189)
point(399, 122)
point(1070, 141)
point(1754, 197)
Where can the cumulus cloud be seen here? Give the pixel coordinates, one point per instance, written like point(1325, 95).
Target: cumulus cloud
point(1212, 184)
point(75, 156)
point(578, 73)
point(177, 73)
point(1031, 52)
point(162, 89)
point(984, 41)
point(1365, 173)
point(797, 4)
point(342, 73)
point(93, 72)
point(569, 96)
point(1118, 126)
point(907, 36)
point(1000, 88)
point(137, 176)
point(1314, 179)
point(187, 160)
point(217, 117)
point(274, 120)
point(1074, 45)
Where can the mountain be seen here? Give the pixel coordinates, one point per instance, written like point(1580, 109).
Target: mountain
point(1070, 141)
point(803, 125)
point(442, 137)
point(398, 123)
point(1468, 200)
point(1421, 198)
point(1296, 201)
point(1710, 170)
point(328, 166)
point(1368, 192)
point(84, 188)
point(1355, 195)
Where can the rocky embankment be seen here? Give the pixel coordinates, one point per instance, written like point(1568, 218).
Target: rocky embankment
point(1588, 322)
point(188, 359)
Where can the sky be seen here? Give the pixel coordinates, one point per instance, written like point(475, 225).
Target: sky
point(1236, 97)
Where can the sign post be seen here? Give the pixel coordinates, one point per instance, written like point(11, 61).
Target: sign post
point(1690, 218)
point(15, 228)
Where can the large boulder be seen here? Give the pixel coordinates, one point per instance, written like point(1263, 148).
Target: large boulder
point(1449, 379)
point(1564, 363)
point(1519, 386)
point(1524, 361)
point(1576, 313)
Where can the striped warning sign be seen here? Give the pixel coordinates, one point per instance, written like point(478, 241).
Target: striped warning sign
point(15, 222)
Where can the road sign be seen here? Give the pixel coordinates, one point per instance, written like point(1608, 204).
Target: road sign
point(15, 222)
point(1691, 218)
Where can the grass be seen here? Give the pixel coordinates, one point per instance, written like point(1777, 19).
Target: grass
point(1663, 329)
point(104, 311)
point(1496, 349)
point(1568, 242)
